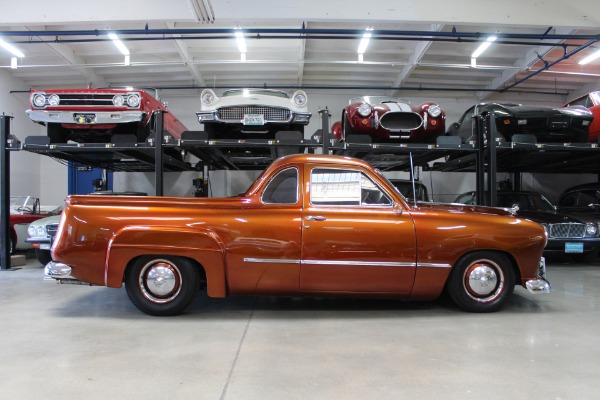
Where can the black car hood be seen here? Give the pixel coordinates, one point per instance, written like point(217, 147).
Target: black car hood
point(531, 111)
point(555, 217)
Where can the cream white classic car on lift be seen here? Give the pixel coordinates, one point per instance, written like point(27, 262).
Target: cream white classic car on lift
point(252, 113)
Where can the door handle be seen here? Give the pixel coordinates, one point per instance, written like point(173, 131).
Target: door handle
point(315, 218)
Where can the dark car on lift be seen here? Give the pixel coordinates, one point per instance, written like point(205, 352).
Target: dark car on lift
point(568, 233)
point(581, 199)
point(546, 124)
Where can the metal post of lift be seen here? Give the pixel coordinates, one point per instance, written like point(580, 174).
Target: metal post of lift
point(326, 135)
point(492, 161)
point(4, 193)
point(480, 160)
point(158, 152)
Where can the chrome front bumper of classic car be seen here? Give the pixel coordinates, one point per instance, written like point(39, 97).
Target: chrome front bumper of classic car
point(86, 117)
point(293, 117)
point(540, 284)
point(60, 273)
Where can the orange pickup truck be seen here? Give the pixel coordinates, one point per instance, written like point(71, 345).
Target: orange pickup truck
point(309, 225)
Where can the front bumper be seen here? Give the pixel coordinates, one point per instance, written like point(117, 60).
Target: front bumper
point(45, 243)
point(540, 284)
point(99, 117)
point(212, 116)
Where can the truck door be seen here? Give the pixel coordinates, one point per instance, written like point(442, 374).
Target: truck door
point(354, 238)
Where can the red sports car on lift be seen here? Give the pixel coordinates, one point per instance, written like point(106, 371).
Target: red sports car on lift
point(387, 119)
point(95, 115)
point(590, 101)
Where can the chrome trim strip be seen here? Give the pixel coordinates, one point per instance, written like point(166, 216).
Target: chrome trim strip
point(270, 260)
point(331, 262)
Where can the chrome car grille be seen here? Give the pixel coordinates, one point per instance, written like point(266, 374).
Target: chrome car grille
point(567, 230)
point(84, 99)
point(51, 229)
point(271, 114)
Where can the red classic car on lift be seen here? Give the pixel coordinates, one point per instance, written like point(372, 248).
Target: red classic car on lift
point(590, 101)
point(95, 115)
point(387, 119)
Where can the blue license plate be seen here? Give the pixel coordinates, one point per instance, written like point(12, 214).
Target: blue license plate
point(573, 247)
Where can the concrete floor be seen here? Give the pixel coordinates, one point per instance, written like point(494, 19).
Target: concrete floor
point(81, 342)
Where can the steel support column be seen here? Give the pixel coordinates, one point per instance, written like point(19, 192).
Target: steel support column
point(4, 193)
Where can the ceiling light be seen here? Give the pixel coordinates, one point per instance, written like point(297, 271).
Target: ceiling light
point(590, 58)
point(241, 42)
point(483, 46)
point(243, 57)
point(12, 49)
point(361, 58)
point(122, 48)
point(364, 43)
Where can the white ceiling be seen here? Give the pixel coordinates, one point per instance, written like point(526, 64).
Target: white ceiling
point(68, 59)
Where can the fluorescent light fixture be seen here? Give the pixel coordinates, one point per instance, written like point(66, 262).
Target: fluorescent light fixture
point(122, 48)
point(127, 60)
point(241, 42)
point(243, 57)
point(364, 43)
point(13, 63)
point(483, 46)
point(473, 62)
point(12, 49)
point(590, 58)
point(361, 57)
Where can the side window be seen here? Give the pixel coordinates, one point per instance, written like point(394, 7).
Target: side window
point(345, 188)
point(283, 188)
point(587, 197)
point(568, 200)
point(582, 101)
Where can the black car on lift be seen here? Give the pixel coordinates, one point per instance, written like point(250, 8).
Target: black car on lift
point(546, 124)
point(568, 233)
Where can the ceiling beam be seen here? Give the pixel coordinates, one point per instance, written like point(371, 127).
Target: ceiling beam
point(187, 59)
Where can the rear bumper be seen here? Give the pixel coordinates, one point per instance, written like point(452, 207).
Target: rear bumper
point(540, 284)
point(60, 273)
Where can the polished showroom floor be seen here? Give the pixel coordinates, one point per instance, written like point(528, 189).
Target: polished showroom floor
point(81, 342)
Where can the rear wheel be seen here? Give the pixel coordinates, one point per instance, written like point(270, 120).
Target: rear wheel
point(162, 285)
point(481, 281)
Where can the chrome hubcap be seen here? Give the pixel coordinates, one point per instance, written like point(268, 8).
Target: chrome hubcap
point(484, 281)
point(160, 281)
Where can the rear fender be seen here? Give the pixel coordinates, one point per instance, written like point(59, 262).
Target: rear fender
point(200, 245)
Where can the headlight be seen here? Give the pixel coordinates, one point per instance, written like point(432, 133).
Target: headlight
point(133, 100)
point(39, 100)
point(300, 98)
point(208, 96)
point(41, 231)
point(53, 100)
point(31, 230)
point(365, 110)
point(118, 100)
point(434, 111)
point(546, 229)
point(591, 229)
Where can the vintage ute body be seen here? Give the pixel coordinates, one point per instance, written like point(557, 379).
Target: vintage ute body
point(96, 115)
point(252, 113)
point(386, 119)
point(591, 101)
point(309, 225)
point(546, 124)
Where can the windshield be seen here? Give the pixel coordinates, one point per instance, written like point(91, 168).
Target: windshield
point(525, 201)
point(248, 92)
point(379, 99)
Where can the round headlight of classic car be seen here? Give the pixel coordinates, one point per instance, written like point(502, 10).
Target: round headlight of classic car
point(53, 100)
point(208, 96)
point(300, 98)
point(133, 100)
point(31, 230)
point(365, 109)
point(118, 100)
point(40, 231)
point(39, 100)
point(434, 111)
point(591, 229)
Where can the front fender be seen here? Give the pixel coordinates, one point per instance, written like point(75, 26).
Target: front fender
point(201, 245)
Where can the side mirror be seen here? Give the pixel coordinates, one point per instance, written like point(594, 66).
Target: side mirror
point(397, 208)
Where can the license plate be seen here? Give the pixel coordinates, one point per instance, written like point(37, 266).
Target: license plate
point(573, 247)
point(85, 118)
point(254, 119)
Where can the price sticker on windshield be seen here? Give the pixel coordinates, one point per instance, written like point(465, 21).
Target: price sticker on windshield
point(254, 119)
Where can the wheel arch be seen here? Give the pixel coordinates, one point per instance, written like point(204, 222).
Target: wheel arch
point(201, 246)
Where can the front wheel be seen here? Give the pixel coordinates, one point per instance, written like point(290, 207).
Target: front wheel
point(162, 285)
point(43, 256)
point(481, 281)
